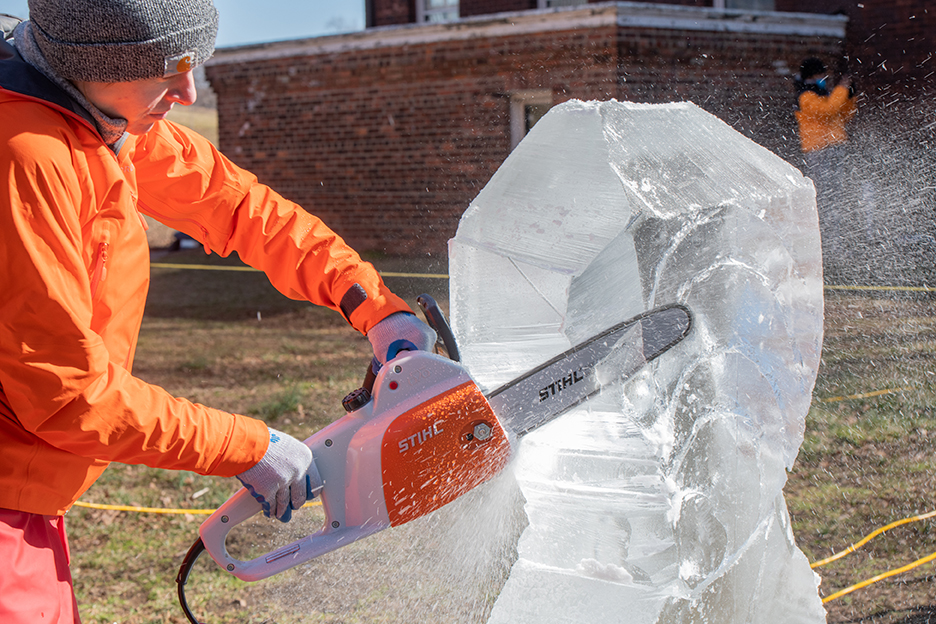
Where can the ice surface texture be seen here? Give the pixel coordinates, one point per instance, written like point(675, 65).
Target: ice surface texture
point(660, 500)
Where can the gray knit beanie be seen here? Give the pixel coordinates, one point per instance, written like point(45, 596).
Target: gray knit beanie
point(123, 40)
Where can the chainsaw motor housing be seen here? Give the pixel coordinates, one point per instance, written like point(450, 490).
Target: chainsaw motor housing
point(426, 436)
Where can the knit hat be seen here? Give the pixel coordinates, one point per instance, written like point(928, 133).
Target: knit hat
point(123, 40)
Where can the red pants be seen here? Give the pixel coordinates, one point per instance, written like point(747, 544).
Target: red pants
point(35, 582)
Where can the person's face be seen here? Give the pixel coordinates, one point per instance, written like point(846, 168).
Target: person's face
point(141, 102)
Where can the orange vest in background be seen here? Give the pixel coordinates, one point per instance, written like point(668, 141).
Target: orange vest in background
point(822, 118)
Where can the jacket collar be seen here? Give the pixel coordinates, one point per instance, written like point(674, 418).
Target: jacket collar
point(18, 76)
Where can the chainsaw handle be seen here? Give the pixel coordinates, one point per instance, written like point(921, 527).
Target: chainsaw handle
point(242, 506)
point(329, 448)
point(438, 322)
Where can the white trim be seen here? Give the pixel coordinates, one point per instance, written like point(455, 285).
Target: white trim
point(518, 102)
point(622, 14)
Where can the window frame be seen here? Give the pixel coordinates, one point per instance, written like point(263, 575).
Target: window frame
point(544, 4)
point(723, 4)
point(424, 14)
point(518, 103)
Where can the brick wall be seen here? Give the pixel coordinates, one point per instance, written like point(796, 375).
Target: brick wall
point(891, 44)
point(467, 8)
point(388, 12)
point(390, 143)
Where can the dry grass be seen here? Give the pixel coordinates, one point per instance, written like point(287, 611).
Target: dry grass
point(868, 462)
point(229, 340)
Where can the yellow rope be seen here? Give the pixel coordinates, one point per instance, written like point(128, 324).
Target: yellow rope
point(864, 395)
point(871, 536)
point(864, 541)
point(879, 577)
point(886, 288)
point(203, 267)
point(835, 557)
point(215, 267)
point(211, 267)
point(426, 275)
point(201, 512)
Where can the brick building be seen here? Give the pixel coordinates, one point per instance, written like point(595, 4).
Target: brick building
point(389, 133)
point(888, 42)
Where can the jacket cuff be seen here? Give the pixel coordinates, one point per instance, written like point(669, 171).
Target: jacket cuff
point(363, 311)
point(246, 445)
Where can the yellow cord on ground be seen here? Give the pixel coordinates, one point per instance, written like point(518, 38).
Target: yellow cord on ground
point(212, 267)
point(864, 395)
point(198, 512)
point(835, 557)
point(886, 288)
point(216, 267)
point(871, 536)
point(426, 275)
point(879, 577)
point(865, 540)
point(203, 267)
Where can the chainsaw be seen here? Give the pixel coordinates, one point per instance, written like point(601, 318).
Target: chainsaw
point(420, 433)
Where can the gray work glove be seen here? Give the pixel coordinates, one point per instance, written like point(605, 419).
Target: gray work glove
point(398, 332)
point(284, 478)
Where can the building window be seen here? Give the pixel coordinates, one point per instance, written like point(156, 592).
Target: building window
point(548, 4)
point(749, 5)
point(436, 10)
point(526, 108)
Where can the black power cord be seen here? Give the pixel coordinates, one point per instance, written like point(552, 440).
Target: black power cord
point(190, 558)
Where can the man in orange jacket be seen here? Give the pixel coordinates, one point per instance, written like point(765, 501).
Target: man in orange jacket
point(822, 115)
point(87, 149)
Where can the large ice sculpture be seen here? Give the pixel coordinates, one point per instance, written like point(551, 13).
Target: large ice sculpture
point(661, 500)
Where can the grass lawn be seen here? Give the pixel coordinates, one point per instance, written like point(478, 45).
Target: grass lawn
point(869, 461)
point(227, 339)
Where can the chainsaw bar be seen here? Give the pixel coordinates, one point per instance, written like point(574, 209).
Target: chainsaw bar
point(613, 356)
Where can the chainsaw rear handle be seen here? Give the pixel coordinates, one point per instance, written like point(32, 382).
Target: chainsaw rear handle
point(427, 436)
point(330, 449)
point(243, 506)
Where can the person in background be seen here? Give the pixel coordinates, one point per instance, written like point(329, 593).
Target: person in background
point(85, 88)
point(821, 116)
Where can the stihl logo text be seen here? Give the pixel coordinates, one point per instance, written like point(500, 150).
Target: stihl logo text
point(561, 384)
point(419, 438)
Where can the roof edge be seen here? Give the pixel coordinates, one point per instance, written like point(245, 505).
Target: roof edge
point(620, 14)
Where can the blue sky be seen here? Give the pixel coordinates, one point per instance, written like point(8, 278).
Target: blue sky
point(243, 22)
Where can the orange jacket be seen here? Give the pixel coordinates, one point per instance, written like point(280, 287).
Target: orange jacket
point(74, 271)
point(822, 118)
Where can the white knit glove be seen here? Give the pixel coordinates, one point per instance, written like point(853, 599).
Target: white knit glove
point(284, 478)
point(398, 332)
